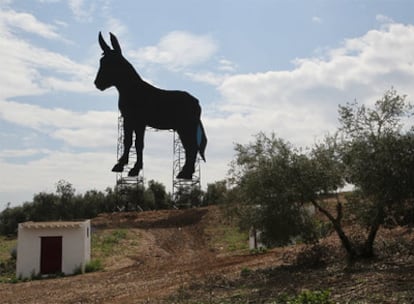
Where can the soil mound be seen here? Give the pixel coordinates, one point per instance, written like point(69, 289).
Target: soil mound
point(150, 219)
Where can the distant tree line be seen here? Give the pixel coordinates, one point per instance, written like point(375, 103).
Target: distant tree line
point(65, 204)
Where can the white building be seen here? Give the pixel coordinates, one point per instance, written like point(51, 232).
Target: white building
point(254, 239)
point(52, 247)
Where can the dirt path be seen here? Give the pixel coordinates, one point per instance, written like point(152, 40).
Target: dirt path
point(173, 252)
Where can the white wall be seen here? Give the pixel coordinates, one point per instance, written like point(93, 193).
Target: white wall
point(28, 253)
point(76, 248)
point(254, 239)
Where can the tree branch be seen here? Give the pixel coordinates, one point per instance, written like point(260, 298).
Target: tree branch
point(336, 222)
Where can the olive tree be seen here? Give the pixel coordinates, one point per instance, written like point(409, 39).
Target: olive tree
point(275, 180)
point(372, 150)
point(377, 150)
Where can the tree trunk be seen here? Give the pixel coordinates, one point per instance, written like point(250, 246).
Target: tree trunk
point(352, 254)
point(368, 250)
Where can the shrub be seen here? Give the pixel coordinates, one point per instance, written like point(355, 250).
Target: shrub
point(312, 297)
point(93, 265)
point(245, 272)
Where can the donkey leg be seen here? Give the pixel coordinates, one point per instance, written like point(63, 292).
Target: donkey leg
point(123, 160)
point(139, 147)
point(189, 141)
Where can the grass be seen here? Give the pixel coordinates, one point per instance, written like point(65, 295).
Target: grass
point(93, 265)
point(6, 246)
point(228, 238)
point(106, 242)
point(7, 263)
point(111, 245)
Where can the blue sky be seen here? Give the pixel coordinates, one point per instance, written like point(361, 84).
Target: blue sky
point(281, 66)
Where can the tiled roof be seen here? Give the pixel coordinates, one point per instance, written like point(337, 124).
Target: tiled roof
point(53, 225)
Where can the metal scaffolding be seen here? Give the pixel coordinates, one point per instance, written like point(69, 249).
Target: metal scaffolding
point(178, 163)
point(122, 178)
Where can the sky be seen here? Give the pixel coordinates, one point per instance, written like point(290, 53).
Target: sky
point(263, 65)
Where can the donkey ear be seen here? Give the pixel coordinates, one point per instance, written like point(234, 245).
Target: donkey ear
point(115, 43)
point(105, 48)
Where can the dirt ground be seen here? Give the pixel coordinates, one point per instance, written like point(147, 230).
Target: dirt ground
point(176, 263)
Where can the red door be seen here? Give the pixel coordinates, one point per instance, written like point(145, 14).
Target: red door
point(51, 254)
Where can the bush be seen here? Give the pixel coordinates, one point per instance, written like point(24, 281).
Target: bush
point(93, 265)
point(312, 297)
point(7, 267)
point(245, 272)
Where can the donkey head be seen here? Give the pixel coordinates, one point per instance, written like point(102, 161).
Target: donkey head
point(111, 64)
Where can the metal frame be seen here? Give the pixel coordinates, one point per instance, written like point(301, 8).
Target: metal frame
point(123, 180)
point(178, 163)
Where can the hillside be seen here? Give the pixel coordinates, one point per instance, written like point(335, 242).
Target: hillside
point(185, 256)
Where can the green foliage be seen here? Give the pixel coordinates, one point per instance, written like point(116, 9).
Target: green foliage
point(311, 297)
point(132, 197)
point(373, 150)
point(7, 259)
point(161, 199)
point(10, 218)
point(65, 204)
point(361, 209)
point(259, 250)
point(245, 272)
point(275, 180)
point(216, 193)
point(235, 240)
point(377, 150)
point(93, 265)
point(188, 197)
point(106, 243)
point(7, 269)
point(228, 237)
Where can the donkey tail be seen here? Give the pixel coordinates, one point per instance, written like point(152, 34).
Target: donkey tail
point(201, 140)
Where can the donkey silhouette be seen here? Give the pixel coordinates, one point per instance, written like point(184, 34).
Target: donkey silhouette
point(142, 104)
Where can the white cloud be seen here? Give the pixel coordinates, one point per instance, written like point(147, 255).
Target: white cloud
point(77, 129)
point(376, 60)
point(40, 168)
point(316, 19)
point(41, 174)
point(300, 104)
point(207, 77)
point(29, 69)
point(227, 65)
point(178, 49)
point(87, 137)
point(29, 23)
point(82, 10)
point(116, 26)
point(61, 23)
point(48, 1)
point(22, 152)
point(82, 85)
point(384, 19)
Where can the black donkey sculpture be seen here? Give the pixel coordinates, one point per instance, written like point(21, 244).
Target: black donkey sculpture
point(142, 104)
